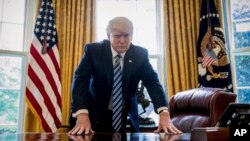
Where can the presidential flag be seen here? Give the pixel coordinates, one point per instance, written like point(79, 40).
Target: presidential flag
point(212, 55)
point(43, 85)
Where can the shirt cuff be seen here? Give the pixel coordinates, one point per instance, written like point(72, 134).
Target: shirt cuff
point(159, 110)
point(81, 111)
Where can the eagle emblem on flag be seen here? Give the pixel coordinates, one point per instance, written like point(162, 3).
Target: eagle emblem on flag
point(213, 52)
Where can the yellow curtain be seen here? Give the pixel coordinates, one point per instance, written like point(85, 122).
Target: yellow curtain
point(181, 29)
point(75, 27)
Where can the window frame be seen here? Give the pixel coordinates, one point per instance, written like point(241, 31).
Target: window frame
point(227, 14)
point(29, 19)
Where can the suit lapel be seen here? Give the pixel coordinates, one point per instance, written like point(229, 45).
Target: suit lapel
point(128, 65)
point(107, 57)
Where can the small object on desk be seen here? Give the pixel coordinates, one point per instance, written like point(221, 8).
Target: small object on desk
point(210, 134)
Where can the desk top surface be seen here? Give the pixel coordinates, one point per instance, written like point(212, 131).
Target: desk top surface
point(95, 137)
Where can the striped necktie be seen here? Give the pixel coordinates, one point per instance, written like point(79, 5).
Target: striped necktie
point(117, 94)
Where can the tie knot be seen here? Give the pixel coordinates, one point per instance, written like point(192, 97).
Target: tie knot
point(118, 56)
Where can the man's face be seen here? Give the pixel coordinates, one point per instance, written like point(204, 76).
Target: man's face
point(120, 41)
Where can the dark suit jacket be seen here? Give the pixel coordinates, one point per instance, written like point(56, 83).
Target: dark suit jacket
point(93, 81)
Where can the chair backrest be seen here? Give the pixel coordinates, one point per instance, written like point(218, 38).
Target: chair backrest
point(199, 107)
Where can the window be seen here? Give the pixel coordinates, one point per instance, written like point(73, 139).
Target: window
point(146, 16)
point(12, 63)
point(239, 40)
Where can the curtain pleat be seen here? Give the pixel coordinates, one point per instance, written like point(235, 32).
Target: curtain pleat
point(75, 23)
point(180, 29)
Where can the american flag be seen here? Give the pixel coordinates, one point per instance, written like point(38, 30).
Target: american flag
point(207, 60)
point(43, 84)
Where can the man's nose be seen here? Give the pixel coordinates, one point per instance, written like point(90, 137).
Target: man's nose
point(123, 38)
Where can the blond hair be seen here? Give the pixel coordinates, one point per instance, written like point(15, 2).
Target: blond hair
point(121, 24)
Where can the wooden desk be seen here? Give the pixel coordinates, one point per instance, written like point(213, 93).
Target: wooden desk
point(94, 137)
point(210, 134)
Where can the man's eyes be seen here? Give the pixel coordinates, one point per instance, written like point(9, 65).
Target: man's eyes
point(117, 36)
point(120, 35)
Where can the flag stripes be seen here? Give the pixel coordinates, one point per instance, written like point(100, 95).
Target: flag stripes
point(38, 83)
point(207, 60)
point(48, 72)
point(38, 110)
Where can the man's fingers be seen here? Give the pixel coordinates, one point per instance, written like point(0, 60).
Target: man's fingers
point(168, 130)
point(176, 130)
point(88, 131)
point(172, 129)
point(77, 130)
point(74, 130)
point(165, 129)
point(91, 131)
point(158, 130)
point(80, 131)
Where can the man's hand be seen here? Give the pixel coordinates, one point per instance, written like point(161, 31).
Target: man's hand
point(82, 126)
point(166, 124)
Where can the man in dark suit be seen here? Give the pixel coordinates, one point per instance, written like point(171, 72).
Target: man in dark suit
point(92, 87)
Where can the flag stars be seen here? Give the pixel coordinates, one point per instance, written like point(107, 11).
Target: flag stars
point(48, 37)
point(53, 39)
point(36, 29)
point(38, 23)
point(44, 24)
point(49, 31)
point(41, 37)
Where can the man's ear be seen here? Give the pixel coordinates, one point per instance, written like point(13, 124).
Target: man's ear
point(108, 35)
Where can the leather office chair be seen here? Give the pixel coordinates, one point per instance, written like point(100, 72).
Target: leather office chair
point(199, 107)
